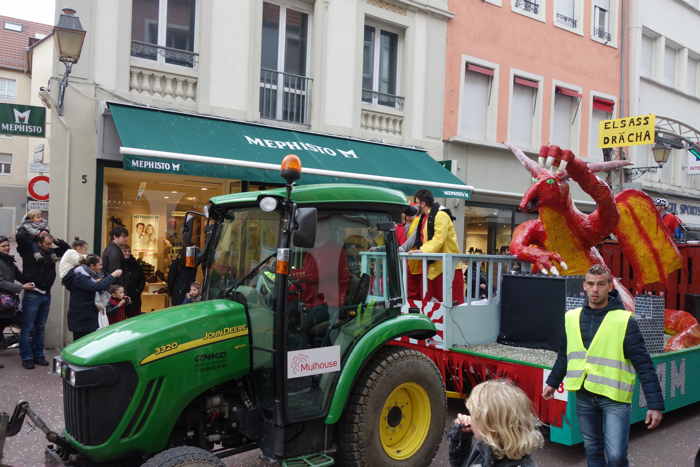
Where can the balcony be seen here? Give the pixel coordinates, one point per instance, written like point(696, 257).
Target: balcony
point(162, 85)
point(285, 97)
point(383, 99)
point(567, 21)
point(602, 34)
point(531, 6)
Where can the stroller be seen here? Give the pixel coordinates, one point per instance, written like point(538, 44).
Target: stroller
point(10, 327)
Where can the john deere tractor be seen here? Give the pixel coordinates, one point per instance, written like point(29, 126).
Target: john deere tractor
point(290, 350)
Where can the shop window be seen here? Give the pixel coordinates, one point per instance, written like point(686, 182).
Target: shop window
point(566, 103)
point(164, 30)
point(488, 230)
point(602, 110)
point(152, 207)
point(5, 164)
point(478, 81)
point(380, 65)
point(523, 109)
point(8, 89)
point(285, 87)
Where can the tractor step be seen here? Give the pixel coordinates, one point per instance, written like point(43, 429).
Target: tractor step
point(312, 460)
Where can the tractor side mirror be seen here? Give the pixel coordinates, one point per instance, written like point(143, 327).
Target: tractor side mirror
point(305, 220)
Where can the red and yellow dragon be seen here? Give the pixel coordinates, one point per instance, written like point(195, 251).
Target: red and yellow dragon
point(563, 239)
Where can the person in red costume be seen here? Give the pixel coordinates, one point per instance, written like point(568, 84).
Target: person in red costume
point(670, 220)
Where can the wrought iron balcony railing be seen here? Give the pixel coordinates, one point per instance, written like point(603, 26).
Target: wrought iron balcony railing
point(567, 21)
point(389, 100)
point(172, 56)
point(602, 33)
point(531, 6)
point(285, 96)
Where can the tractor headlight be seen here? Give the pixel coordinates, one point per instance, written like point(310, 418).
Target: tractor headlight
point(71, 379)
point(268, 204)
point(81, 377)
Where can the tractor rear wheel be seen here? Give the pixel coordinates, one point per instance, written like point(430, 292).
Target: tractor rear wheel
point(184, 456)
point(396, 412)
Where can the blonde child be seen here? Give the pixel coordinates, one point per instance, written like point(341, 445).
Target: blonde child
point(501, 430)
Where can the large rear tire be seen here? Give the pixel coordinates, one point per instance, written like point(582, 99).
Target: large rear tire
point(184, 456)
point(396, 412)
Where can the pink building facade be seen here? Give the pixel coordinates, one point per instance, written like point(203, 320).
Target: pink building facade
point(529, 72)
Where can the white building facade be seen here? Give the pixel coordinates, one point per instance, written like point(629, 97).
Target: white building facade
point(663, 69)
point(370, 70)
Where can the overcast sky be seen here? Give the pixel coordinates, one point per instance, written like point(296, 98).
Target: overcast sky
point(41, 11)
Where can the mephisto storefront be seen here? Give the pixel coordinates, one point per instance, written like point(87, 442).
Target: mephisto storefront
point(170, 163)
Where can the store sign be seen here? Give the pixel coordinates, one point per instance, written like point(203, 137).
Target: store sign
point(38, 188)
point(40, 205)
point(149, 164)
point(694, 160)
point(628, 131)
point(299, 146)
point(688, 212)
point(310, 362)
point(22, 120)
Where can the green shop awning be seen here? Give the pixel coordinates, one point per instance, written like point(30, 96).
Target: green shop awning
point(174, 143)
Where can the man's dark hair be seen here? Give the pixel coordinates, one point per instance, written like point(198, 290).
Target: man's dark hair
point(92, 260)
point(425, 196)
point(43, 236)
point(4, 239)
point(77, 243)
point(141, 224)
point(599, 270)
point(118, 231)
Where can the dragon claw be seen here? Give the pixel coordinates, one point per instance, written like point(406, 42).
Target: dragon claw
point(554, 271)
point(550, 162)
point(564, 266)
point(562, 165)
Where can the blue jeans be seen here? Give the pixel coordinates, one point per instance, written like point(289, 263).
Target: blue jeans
point(35, 312)
point(605, 426)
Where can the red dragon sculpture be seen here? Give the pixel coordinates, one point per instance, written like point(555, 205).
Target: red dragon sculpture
point(563, 239)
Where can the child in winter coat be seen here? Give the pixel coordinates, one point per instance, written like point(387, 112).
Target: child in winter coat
point(501, 430)
point(28, 233)
point(116, 307)
point(72, 257)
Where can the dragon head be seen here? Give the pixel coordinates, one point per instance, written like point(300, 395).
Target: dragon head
point(550, 179)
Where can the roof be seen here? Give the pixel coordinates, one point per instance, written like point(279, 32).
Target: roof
point(13, 53)
point(322, 194)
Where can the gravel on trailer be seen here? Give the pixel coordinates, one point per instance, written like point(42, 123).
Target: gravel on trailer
point(523, 354)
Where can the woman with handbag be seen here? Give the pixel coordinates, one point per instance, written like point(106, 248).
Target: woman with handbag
point(10, 275)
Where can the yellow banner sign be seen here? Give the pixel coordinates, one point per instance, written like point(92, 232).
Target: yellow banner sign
point(628, 131)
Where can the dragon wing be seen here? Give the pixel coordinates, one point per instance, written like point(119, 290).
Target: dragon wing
point(644, 239)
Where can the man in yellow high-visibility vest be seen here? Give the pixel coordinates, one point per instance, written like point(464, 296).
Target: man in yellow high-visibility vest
point(601, 354)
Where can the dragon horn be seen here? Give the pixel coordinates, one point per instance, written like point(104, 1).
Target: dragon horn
point(528, 163)
point(607, 166)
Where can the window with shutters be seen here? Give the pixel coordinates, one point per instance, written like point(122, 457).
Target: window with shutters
point(603, 109)
point(567, 15)
point(476, 99)
point(565, 121)
point(523, 112)
point(5, 164)
point(648, 47)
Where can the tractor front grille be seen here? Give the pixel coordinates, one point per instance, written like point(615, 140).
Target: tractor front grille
point(93, 412)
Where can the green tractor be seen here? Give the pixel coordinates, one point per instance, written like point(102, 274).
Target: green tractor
point(289, 352)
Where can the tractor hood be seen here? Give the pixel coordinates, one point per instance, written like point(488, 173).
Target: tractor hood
point(156, 335)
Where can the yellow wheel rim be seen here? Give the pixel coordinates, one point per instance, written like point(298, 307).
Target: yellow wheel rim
point(404, 421)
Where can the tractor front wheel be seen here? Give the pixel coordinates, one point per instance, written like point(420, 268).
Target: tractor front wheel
point(396, 412)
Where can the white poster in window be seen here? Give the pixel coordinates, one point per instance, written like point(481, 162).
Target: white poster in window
point(310, 362)
point(694, 160)
point(144, 238)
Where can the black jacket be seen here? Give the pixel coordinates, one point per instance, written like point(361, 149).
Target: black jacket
point(634, 348)
point(465, 451)
point(82, 311)
point(180, 277)
point(134, 279)
point(9, 275)
point(43, 271)
point(112, 259)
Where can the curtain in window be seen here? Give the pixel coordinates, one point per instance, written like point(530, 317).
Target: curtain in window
point(475, 102)
point(564, 107)
point(522, 114)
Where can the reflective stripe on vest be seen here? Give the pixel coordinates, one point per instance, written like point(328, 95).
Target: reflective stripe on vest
point(602, 369)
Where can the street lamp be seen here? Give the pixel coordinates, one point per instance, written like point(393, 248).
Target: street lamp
point(70, 36)
point(663, 144)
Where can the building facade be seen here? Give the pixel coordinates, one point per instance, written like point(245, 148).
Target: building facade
point(529, 72)
point(21, 157)
point(287, 71)
point(663, 68)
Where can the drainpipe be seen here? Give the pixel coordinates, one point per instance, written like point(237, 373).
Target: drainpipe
point(623, 33)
